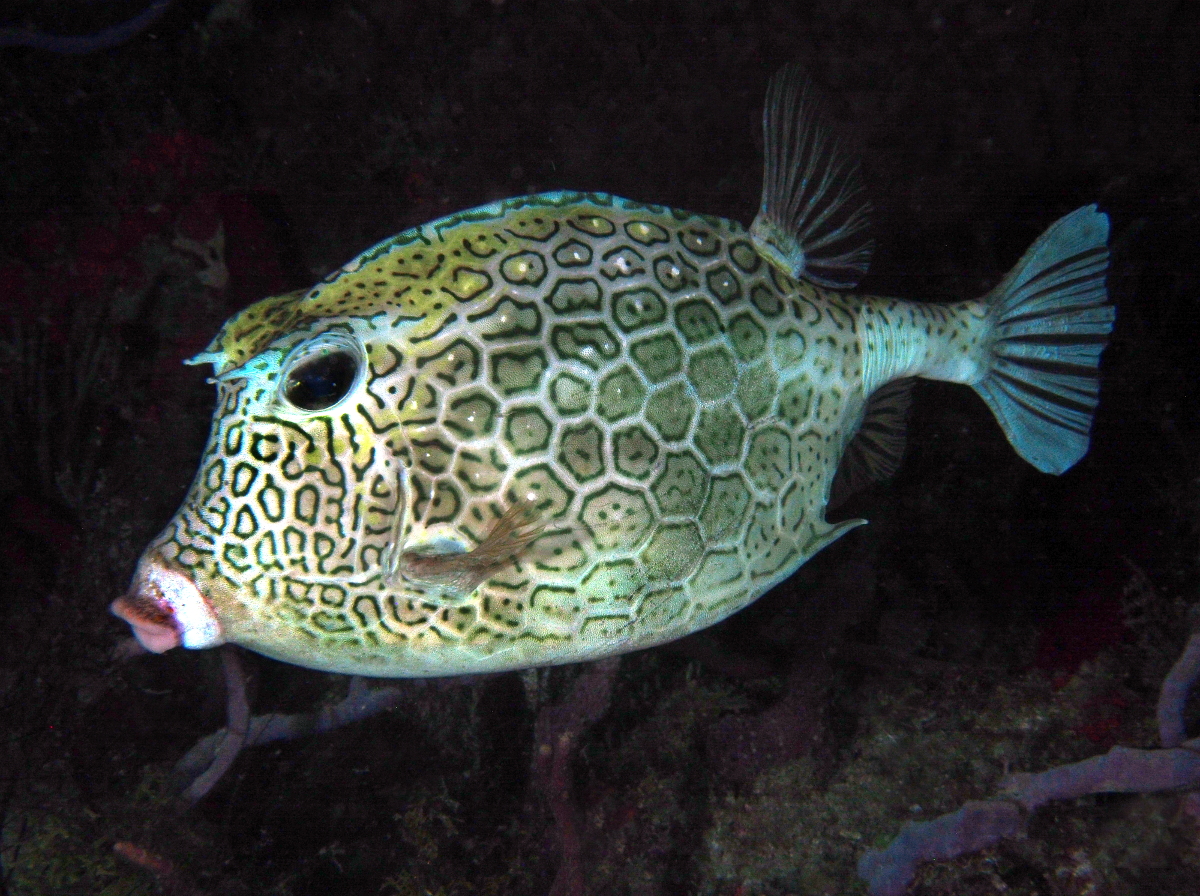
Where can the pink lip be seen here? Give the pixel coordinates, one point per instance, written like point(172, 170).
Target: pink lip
point(165, 609)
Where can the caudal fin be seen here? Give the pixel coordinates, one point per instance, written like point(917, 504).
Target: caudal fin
point(1052, 321)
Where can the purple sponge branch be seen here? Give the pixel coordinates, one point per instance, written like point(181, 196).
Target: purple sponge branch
point(75, 44)
point(888, 872)
point(212, 756)
point(1120, 770)
point(1173, 694)
point(232, 738)
point(977, 825)
point(556, 734)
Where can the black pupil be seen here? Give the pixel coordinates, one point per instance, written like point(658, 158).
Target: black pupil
point(322, 381)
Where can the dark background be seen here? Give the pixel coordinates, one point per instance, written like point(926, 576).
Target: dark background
point(989, 618)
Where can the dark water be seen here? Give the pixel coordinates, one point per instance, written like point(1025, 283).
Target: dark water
point(990, 618)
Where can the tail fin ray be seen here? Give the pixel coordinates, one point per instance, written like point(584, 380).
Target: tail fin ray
point(1052, 321)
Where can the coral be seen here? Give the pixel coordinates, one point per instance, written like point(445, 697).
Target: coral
point(556, 734)
point(73, 44)
point(205, 763)
point(979, 824)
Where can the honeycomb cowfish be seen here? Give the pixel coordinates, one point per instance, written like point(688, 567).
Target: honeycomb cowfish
point(566, 426)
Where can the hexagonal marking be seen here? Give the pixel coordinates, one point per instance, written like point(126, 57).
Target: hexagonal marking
point(572, 295)
point(581, 450)
point(697, 321)
point(700, 241)
point(305, 504)
point(601, 629)
point(620, 395)
point(235, 556)
point(725, 509)
point(766, 300)
point(712, 372)
point(497, 607)
point(720, 433)
point(432, 455)
point(623, 261)
point(245, 523)
point(672, 275)
point(524, 268)
point(810, 459)
point(558, 552)
point(332, 623)
point(571, 395)
point(593, 225)
point(471, 414)
point(673, 552)
point(271, 499)
point(541, 487)
point(612, 585)
point(421, 405)
point(518, 370)
point(795, 401)
point(526, 430)
point(756, 391)
point(765, 548)
point(769, 459)
point(646, 232)
point(744, 256)
point(719, 573)
point(531, 226)
point(480, 473)
point(235, 433)
point(589, 343)
point(510, 320)
point(636, 309)
point(747, 336)
point(659, 357)
point(788, 348)
point(662, 608)
point(724, 284)
point(634, 452)
point(680, 488)
point(670, 411)
point(467, 283)
point(244, 475)
point(455, 365)
point(559, 610)
point(442, 506)
point(573, 253)
point(795, 504)
point(333, 596)
point(618, 518)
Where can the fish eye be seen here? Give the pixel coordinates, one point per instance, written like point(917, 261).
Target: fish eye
point(321, 373)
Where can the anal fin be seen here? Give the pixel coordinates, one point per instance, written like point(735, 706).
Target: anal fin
point(877, 447)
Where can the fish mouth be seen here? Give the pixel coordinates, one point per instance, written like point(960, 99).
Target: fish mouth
point(165, 609)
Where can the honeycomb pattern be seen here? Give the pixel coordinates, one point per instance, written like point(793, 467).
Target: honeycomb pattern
point(667, 408)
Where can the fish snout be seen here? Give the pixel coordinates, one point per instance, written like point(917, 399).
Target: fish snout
point(165, 609)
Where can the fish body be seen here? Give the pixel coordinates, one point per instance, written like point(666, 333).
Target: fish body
point(566, 426)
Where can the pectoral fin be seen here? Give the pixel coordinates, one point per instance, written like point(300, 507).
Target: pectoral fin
point(509, 538)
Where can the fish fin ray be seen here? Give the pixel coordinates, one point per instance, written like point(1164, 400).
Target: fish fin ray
point(877, 447)
point(813, 219)
point(1052, 320)
point(462, 572)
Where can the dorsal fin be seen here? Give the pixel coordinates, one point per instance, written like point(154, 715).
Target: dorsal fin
point(812, 223)
point(877, 448)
